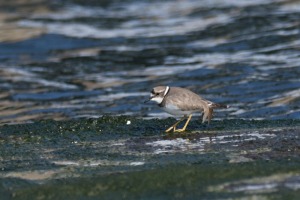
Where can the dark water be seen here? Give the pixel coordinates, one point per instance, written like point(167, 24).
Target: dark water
point(83, 59)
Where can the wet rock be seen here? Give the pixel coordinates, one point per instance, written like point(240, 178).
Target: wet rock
point(98, 157)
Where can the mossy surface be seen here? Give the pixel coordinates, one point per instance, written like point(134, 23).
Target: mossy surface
point(131, 158)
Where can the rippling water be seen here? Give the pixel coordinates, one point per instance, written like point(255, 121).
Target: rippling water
point(74, 59)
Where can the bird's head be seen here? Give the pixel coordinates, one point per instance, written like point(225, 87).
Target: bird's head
point(158, 93)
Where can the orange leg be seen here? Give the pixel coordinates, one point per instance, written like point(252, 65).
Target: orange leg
point(174, 125)
point(185, 125)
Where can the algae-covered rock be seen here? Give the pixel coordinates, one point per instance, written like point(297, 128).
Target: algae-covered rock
point(131, 158)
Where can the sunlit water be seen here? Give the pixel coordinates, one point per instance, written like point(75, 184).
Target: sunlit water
point(80, 60)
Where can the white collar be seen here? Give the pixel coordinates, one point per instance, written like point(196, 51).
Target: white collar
point(167, 90)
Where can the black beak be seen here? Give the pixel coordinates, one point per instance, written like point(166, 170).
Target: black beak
point(146, 101)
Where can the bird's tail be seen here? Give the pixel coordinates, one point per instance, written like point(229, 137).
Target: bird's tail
point(208, 110)
point(217, 105)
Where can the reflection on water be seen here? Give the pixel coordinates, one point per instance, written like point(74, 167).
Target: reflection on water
point(78, 59)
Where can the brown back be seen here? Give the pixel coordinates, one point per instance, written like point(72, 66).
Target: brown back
point(185, 99)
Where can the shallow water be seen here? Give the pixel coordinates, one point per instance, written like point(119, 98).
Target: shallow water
point(77, 59)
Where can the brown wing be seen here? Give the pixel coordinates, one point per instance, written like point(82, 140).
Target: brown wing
point(185, 99)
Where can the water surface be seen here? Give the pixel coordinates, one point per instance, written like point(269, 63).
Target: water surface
point(76, 59)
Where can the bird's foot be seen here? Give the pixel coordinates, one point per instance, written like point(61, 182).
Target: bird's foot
point(171, 128)
point(179, 130)
point(174, 130)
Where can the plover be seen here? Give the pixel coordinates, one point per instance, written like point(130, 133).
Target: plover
point(182, 102)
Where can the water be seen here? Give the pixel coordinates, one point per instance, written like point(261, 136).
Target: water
point(76, 59)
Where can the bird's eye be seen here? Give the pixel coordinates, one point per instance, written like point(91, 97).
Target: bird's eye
point(156, 94)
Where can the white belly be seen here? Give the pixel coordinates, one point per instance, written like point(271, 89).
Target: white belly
point(174, 110)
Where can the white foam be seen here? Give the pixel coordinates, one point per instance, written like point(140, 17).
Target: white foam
point(175, 142)
point(179, 144)
point(293, 186)
point(97, 163)
point(257, 187)
point(137, 163)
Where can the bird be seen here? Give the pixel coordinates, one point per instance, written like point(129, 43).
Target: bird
point(182, 102)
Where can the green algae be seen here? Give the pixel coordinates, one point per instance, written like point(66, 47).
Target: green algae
point(170, 182)
point(110, 158)
point(117, 125)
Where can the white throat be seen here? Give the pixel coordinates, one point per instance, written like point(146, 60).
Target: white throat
point(158, 100)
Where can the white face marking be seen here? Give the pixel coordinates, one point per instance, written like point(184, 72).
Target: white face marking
point(158, 100)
